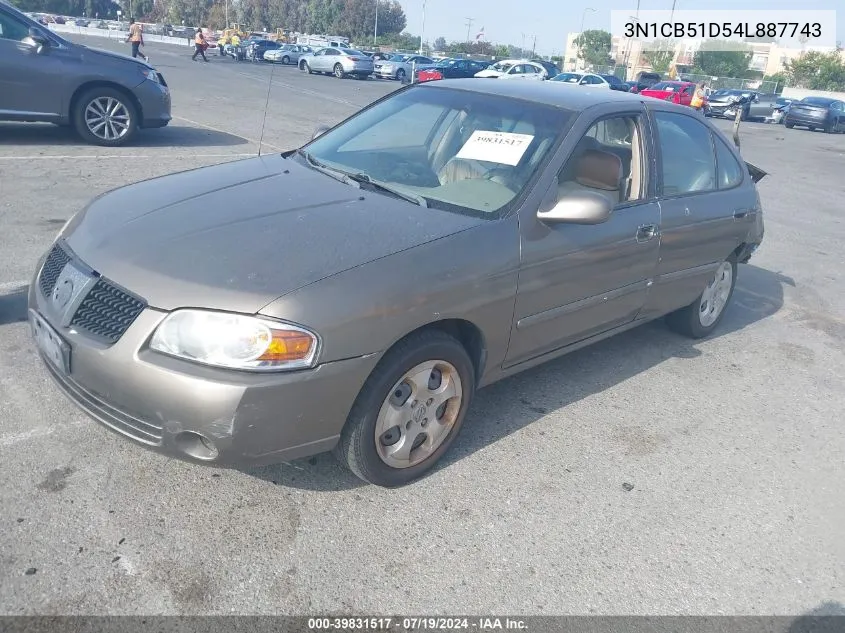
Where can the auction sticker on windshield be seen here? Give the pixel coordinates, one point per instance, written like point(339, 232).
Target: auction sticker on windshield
point(505, 148)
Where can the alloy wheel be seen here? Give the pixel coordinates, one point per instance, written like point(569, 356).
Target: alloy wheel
point(715, 296)
point(107, 118)
point(418, 414)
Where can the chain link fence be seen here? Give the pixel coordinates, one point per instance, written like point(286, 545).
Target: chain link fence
point(734, 83)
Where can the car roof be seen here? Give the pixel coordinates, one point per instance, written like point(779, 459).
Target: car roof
point(548, 93)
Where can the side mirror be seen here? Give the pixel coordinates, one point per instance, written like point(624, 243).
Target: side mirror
point(39, 42)
point(578, 208)
point(319, 131)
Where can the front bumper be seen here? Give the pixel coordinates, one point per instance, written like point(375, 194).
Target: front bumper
point(198, 413)
point(721, 110)
point(155, 104)
point(385, 73)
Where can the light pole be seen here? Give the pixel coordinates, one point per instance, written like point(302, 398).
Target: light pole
point(672, 14)
point(375, 29)
point(422, 35)
point(584, 17)
point(469, 26)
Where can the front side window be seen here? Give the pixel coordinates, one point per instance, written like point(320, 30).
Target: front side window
point(461, 151)
point(12, 29)
point(608, 160)
point(686, 147)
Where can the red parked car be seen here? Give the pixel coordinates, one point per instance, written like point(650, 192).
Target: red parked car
point(428, 74)
point(680, 92)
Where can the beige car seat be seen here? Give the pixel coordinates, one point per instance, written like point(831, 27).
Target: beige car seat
point(595, 171)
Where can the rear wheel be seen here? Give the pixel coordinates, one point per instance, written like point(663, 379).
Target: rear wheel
point(409, 411)
point(338, 71)
point(701, 317)
point(106, 117)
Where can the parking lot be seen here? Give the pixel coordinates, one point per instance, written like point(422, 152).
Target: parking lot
point(645, 475)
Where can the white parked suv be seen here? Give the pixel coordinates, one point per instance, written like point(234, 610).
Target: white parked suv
point(514, 69)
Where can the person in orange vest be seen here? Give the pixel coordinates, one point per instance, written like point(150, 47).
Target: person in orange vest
point(199, 46)
point(136, 36)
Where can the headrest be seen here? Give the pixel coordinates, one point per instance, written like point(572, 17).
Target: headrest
point(599, 170)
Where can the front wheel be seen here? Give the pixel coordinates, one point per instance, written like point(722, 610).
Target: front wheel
point(788, 125)
point(307, 68)
point(286, 60)
point(409, 410)
point(106, 117)
point(400, 74)
point(338, 71)
point(701, 317)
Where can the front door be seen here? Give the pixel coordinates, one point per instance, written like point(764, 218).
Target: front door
point(577, 281)
point(30, 80)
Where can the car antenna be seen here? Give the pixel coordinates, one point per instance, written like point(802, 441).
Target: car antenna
point(266, 106)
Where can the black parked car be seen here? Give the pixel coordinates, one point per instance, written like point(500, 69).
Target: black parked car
point(615, 82)
point(817, 112)
point(256, 49)
point(460, 68)
point(551, 69)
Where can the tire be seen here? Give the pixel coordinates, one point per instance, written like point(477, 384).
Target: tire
point(376, 405)
point(690, 320)
point(307, 68)
point(400, 74)
point(338, 71)
point(286, 60)
point(788, 126)
point(91, 105)
point(811, 128)
point(745, 114)
point(830, 128)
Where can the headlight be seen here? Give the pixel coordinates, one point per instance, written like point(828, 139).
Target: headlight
point(149, 73)
point(235, 341)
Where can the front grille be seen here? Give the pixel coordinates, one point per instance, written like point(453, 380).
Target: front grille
point(120, 421)
point(107, 311)
point(56, 260)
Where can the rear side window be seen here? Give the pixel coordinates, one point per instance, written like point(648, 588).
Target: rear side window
point(686, 148)
point(729, 169)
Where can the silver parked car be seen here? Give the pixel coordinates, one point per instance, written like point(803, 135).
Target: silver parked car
point(756, 105)
point(401, 66)
point(340, 62)
point(367, 284)
point(287, 53)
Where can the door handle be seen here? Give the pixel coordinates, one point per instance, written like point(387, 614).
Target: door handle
point(646, 232)
point(740, 213)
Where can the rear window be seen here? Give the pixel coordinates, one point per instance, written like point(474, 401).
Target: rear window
point(665, 85)
point(817, 101)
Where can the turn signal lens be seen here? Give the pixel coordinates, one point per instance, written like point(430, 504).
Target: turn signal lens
point(288, 345)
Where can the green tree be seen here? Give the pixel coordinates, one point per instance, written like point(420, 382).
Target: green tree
point(659, 55)
point(594, 47)
point(719, 58)
point(440, 44)
point(818, 71)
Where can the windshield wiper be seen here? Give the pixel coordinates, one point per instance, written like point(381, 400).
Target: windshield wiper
point(337, 174)
point(383, 186)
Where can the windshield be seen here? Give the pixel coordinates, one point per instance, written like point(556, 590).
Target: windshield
point(818, 101)
point(445, 63)
point(461, 151)
point(502, 67)
point(567, 77)
point(611, 79)
point(665, 85)
point(350, 51)
point(728, 93)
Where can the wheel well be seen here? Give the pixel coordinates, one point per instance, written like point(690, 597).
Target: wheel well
point(468, 335)
point(104, 84)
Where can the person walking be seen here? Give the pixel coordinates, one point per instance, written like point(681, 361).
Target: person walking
point(136, 37)
point(698, 97)
point(199, 46)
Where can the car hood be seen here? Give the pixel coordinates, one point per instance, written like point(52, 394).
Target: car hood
point(726, 100)
point(238, 235)
point(100, 54)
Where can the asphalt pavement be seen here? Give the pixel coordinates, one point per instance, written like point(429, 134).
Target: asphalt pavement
point(645, 475)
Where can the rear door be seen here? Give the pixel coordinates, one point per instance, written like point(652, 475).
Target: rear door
point(703, 208)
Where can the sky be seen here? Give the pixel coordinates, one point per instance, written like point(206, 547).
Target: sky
point(508, 21)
